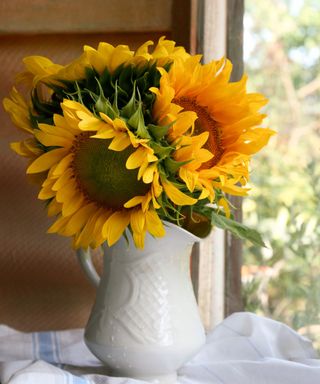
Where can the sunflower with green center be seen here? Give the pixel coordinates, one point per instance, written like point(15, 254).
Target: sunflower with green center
point(123, 141)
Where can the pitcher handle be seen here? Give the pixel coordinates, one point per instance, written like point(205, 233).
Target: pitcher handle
point(85, 260)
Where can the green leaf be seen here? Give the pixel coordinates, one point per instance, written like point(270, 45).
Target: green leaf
point(158, 131)
point(149, 98)
point(172, 166)
point(107, 108)
point(129, 109)
point(102, 104)
point(79, 91)
point(115, 100)
point(136, 121)
point(237, 229)
point(121, 93)
point(160, 150)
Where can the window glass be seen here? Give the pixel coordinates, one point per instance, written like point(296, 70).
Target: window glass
point(282, 59)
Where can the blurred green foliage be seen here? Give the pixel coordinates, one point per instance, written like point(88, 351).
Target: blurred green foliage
point(283, 62)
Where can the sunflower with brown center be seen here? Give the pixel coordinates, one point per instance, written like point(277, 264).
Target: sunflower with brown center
point(226, 132)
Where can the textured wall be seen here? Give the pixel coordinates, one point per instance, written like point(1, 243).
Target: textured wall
point(41, 285)
point(84, 16)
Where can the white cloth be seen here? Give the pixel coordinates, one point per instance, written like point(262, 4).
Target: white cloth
point(243, 349)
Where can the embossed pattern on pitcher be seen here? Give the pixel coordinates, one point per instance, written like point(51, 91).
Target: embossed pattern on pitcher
point(146, 314)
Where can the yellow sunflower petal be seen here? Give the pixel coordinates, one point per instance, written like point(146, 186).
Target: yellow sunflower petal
point(52, 140)
point(46, 193)
point(115, 225)
point(185, 121)
point(47, 160)
point(208, 187)
point(225, 205)
point(120, 142)
point(59, 225)
point(97, 237)
point(232, 189)
point(143, 50)
point(134, 201)
point(138, 239)
point(54, 208)
point(189, 177)
point(73, 205)
point(148, 174)
point(146, 202)
point(62, 130)
point(137, 221)
point(18, 110)
point(66, 125)
point(63, 164)
point(204, 194)
point(105, 134)
point(40, 65)
point(64, 179)
point(154, 224)
point(26, 148)
point(99, 59)
point(88, 123)
point(66, 192)
point(176, 195)
point(120, 55)
point(79, 219)
point(136, 158)
point(85, 237)
point(253, 141)
point(75, 106)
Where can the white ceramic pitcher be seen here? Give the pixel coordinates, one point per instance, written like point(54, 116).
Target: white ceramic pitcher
point(145, 322)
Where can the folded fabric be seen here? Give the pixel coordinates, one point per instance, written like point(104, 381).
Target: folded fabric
point(243, 349)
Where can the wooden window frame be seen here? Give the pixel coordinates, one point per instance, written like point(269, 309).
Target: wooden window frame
point(214, 28)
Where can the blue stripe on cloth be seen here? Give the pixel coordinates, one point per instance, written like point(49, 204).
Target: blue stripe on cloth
point(79, 380)
point(46, 347)
point(57, 348)
point(71, 379)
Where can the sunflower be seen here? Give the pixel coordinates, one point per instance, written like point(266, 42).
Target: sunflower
point(87, 182)
point(216, 151)
point(122, 140)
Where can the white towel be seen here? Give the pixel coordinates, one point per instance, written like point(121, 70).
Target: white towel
point(243, 349)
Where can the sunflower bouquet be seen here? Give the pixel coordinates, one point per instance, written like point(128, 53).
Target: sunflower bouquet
point(123, 139)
